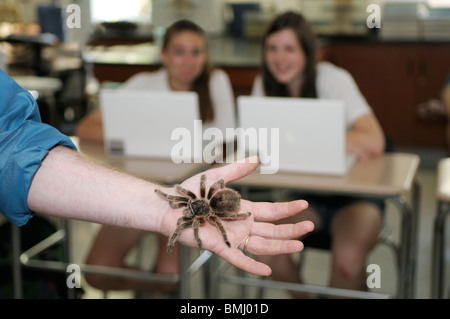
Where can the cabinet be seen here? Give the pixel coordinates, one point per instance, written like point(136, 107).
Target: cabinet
point(241, 78)
point(105, 72)
point(394, 78)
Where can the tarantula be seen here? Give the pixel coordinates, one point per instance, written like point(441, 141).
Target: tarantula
point(222, 205)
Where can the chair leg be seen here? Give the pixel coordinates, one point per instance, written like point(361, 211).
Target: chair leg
point(438, 273)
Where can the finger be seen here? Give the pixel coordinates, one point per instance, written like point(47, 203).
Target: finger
point(234, 171)
point(238, 259)
point(261, 246)
point(275, 211)
point(284, 231)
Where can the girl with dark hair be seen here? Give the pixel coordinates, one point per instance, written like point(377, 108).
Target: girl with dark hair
point(186, 67)
point(289, 69)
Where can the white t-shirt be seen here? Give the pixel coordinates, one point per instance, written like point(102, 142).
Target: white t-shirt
point(333, 82)
point(220, 89)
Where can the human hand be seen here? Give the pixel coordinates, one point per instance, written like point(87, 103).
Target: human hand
point(360, 152)
point(264, 238)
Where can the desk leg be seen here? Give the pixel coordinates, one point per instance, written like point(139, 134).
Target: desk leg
point(213, 269)
point(408, 251)
point(404, 246)
point(16, 267)
point(67, 256)
point(438, 278)
point(415, 236)
point(184, 277)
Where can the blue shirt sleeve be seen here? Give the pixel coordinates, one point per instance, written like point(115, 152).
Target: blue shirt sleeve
point(24, 143)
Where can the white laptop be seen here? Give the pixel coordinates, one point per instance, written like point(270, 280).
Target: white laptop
point(311, 132)
point(141, 123)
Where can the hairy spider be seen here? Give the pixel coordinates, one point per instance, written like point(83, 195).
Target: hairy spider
point(222, 205)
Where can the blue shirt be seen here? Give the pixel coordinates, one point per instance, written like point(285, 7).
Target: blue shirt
point(24, 142)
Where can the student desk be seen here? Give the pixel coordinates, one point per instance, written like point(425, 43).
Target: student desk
point(391, 176)
point(162, 171)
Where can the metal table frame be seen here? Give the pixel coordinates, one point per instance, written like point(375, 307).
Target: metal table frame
point(439, 235)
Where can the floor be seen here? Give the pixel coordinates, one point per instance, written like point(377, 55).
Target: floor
point(317, 262)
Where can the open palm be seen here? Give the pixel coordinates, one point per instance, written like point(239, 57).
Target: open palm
point(266, 238)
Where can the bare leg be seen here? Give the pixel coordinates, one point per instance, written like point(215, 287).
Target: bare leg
point(283, 267)
point(355, 231)
point(167, 263)
point(110, 248)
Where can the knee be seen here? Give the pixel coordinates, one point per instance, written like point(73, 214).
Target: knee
point(97, 280)
point(349, 263)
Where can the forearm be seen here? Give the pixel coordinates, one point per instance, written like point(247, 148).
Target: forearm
point(368, 143)
point(69, 186)
point(366, 138)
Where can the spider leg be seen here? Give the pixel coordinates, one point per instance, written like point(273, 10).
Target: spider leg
point(219, 225)
point(202, 186)
point(195, 226)
point(171, 197)
point(185, 191)
point(234, 215)
point(177, 232)
point(188, 212)
point(213, 187)
point(182, 219)
point(176, 205)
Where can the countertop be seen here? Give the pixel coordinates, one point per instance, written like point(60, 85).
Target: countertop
point(225, 50)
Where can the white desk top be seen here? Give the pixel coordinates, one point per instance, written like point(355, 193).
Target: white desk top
point(443, 180)
point(388, 175)
point(156, 170)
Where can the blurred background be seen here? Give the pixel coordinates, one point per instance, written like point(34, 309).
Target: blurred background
point(65, 51)
point(400, 67)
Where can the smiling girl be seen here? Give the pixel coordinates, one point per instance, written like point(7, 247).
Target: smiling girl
point(289, 69)
point(186, 67)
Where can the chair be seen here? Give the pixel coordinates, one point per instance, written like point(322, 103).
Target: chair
point(443, 209)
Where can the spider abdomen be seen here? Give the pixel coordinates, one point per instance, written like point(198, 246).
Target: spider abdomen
point(226, 200)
